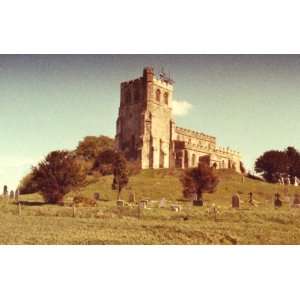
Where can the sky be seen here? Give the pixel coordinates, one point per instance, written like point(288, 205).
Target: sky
point(251, 103)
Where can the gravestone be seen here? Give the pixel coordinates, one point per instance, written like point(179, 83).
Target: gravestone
point(277, 202)
point(296, 202)
point(176, 208)
point(143, 204)
point(197, 202)
point(97, 196)
point(120, 203)
point(251, 198)
point(11, 195)
point(5, 191)
point(162, 203)
point(235, 201)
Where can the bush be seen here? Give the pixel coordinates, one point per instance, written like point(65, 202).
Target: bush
point(104, 162)
point(28, 185)
point(199, 180)
point(57, 175)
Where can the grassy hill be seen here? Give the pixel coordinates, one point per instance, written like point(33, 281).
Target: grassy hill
point(104, 224)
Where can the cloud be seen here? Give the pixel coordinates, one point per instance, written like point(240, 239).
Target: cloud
point(181, 108)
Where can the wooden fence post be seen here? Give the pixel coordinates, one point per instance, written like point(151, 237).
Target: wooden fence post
point(74, 210)
point(19, 208)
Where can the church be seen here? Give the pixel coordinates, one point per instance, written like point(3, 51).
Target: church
point(147, 132)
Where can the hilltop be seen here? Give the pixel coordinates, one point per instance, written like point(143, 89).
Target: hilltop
point(50, 224)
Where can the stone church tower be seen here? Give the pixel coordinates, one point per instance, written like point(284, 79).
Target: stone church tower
point(147, 134)
point(144, 123)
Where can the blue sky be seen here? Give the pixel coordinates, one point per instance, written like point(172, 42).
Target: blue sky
point(50, 102)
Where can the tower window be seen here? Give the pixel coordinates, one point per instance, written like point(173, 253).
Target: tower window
point(158, 95)
point(166, 98)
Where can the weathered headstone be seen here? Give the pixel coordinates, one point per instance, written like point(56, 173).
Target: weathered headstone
point(120, 203)
point(11, 195)
point(97, 196)
point(143, 204)
point(277, 201)
point(176, 208)
point(162, 203)
point(251, 198)
point(235, 201)
point(5, 191)
point(296, 202)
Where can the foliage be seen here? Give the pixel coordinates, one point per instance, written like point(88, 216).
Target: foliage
point(120, 172)
point(273, 164)
point(199, 180)
point(104, 162)
point(28, 185)
point(57, 174)
point(92, 146)
point(134, 168)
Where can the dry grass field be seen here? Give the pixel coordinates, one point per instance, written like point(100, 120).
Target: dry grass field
point(41, 223)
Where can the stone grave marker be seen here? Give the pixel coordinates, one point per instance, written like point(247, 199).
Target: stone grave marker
point(296, 202)
point(235, 201)
point(162, 203)
point(97, 196)
point(176, 208)
point(143, 204)
point(120, 203)
point(277, 202)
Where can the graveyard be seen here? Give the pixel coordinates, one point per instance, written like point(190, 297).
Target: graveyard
point(163, 218)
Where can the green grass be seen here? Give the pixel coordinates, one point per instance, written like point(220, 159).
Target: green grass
point(105, 224)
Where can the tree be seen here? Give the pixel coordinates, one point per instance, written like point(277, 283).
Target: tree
point(120, 173)
point(57, 175)
point(274, 164)
point(104, 162)
point(199, 180)
point(92, 146)
point(293, 160)
point(271, 165)
point(28, 185)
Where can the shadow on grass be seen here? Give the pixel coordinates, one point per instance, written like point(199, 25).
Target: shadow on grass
point(32, 203)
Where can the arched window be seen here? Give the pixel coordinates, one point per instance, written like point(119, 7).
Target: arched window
point(158, 95)
point(166, 98)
